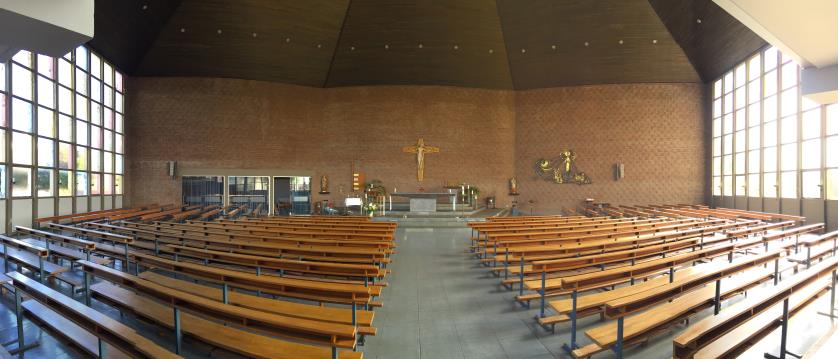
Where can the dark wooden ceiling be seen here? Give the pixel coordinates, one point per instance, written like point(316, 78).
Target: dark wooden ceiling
point(500, 44)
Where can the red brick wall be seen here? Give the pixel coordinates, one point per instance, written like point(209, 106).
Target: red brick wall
point(240, 124)
point(486, 136)
point(656, 130)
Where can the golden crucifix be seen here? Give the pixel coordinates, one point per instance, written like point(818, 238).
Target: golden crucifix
point(420, 149)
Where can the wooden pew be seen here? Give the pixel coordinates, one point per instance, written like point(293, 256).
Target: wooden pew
point(198, 308)
point(742, 318)
point(29, 256)
point(107, 330)
point(825, 347)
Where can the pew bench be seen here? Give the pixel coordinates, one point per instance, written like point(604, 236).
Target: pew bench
point(825, 347)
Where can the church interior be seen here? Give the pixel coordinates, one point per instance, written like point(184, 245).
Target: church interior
point(347, 179)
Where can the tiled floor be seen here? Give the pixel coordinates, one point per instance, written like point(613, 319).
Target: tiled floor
point(441, 304)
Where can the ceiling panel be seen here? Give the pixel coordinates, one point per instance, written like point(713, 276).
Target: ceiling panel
point(546, 41)
point(274, 40)
point(714, 44)
point(422, 42)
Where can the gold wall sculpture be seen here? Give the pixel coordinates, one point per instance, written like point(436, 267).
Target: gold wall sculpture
point(561, 169)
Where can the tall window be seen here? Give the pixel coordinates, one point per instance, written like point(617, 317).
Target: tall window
point(64, 120)
point(768, 140)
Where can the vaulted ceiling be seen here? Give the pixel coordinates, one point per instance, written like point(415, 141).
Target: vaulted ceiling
point(503, 44)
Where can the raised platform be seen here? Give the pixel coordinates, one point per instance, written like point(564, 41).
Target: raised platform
point(459, 219)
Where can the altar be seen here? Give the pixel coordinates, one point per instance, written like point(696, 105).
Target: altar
point(424, 201)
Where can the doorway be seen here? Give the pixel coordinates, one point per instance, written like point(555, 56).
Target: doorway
point(292, 196)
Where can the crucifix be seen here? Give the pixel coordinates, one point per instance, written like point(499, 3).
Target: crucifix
point(420, 149)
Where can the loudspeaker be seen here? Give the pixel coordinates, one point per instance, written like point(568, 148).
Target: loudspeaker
point(619, 171)
point(171, 167)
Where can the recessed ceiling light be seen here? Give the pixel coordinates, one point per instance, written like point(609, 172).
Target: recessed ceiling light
point(654, 41)
point(145, 6)
point(287, 39)
point(491, 51)
point(352, 48)
point(586, 44)
point(698, 21)
point(183, 29)
point(456, 47)
point(523, 51)
point(255, 34)
point(620, 42)
point(319, 46)
point(553, 47)
point(421, 46)
point(386, 46)
point(218, 31)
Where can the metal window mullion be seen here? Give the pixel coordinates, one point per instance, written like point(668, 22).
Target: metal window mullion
point(8, 134)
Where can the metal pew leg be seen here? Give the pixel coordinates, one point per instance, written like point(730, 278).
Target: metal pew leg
point(570, 347)
point(832, 308)
point(21, 346)
point(783, 335)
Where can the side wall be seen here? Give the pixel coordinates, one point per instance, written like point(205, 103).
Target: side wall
point(656, 130)
point(225, 124)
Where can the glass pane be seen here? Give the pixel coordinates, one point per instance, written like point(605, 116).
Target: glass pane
point(770, 133)
point(81, 57)
point(2, 181)
point(728, 82)
point(119, 103)
point(727, 124)
point(754, 137)
point(95, 160)
point(788, 105)
point(81, 133)
point(108, 187)
point(788, 157)
point(727, 103)
point(717, 108)
point(754, 91)
point(832, 119)
point(831, 183)
point(81, 184)
point(769, 159)
point(118, 166)
point(24, 58)
point(81, 158)
point(118, 143)
point(811, 125)
point(727, 164)
point(46, 66)
point(81, 107)
point(717, 165)
point(81, 82)
point(65, 73)
point(727, 185)
point(21, 82)
point(753, 161)
point(770, 109)
point(788, 132)
point(118, 81)
point(740, 185)
point(769, 182)
point(2, 146)
point(741, 120)
point(2, 76)
point(96, 137)
point(118, 184)
point(46, 122)
point(832, 151)
point(811, 184)
point(754, 67)
point(95, 184)
point(717, 186)
point(65, 128)
point(108, 137)
point(108, 118)
point(21, 115)
point(789, 76)
point(770, 83)
point(740, 163)
point(740, 141)
point(95, 66)
point(96, 113)
point(811, 154)
point(753, 185)
point(770, 58)
point(108, 96)
point(65, 100)
point(21, 148)
point(65, 183)
point(65, 155)
point(96, 90)
point(3, 122)
point(108, 73)
point(118, 123)
point(808, 104)
point(727, 145)
point(46, 152)
point(788, 181)
point(46, 92)
point(46, 182)
point(21, 182)
point(740, 75)
point(108, 162)
point(740, 100)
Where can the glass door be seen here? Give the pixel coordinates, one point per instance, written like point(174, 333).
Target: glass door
point(249, 191)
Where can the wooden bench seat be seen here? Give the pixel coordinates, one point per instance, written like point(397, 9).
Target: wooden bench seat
point(67, 253)
point(637, 326)
point(225, 337)
point(111, 331)
point(69, 331)
point(33, 261)
point(364, 318)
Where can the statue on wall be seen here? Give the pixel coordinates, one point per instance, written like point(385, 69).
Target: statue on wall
point(513, 186)
point(324, 184)
point(564, 172)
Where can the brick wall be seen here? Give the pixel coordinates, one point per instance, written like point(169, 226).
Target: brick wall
point(240, 124)
point(486, 136)
point(656, 130)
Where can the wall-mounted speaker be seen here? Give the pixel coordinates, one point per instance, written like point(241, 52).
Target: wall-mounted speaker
point(619, 171)
point(171, 168)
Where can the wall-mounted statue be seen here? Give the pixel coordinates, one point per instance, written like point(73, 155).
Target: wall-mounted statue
point(324, 184)
point(561, 169)
point(513, 187)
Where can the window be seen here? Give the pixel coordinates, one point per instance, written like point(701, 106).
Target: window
point(21, 148)
point(65, 155)
point(81, 158)
point(46, 152)
point(65, 183)
point(81, 184)
point(21, 82)
point(46, 122)
point(46, 182)
point(811, 154)
point(753, 185)
point(788, 182)
point(21, 115)
point(95, 184)
point(831, 184)
point(46, 92)
point(811, 184)
point(2, 181)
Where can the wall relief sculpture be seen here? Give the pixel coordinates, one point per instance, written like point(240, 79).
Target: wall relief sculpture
point(561, 169)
